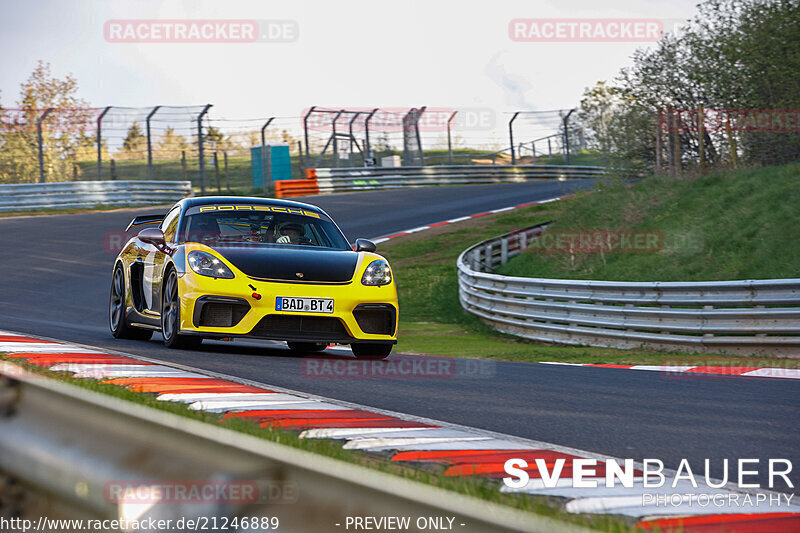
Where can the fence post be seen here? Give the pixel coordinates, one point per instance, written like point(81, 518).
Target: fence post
point(264, 152)
point(511, 137)
point(149, 143)
point(113, 170)
point(449, 143)
point(419, 139)
point(367, 148)
point(216, 172)
point(227, 178)
point(731, 141)
point(566, 135)
point(100, 143)
point(533, 150)
point(676, 142)
point(183, 165)
point(200, 149)
point(305, 129)
point(40, 141)
point(701, 133)
point(657, 165)
point(302, 158)
point(268, 176)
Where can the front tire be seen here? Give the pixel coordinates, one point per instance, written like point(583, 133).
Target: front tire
point(117, 306)
point(368, 350)
point(171, 316)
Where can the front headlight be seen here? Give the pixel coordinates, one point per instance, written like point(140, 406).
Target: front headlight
point(377, 273)
point(206, 264)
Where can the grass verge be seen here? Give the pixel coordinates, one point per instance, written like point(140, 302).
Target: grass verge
point(433, 323)
point(431, 474)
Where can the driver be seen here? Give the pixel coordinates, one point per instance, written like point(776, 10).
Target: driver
point(290, 233)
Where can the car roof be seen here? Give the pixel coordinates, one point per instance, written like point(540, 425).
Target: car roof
point(206, 200)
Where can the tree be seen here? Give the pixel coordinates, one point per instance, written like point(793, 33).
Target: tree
point(170, 145)
point(64, 132)
point(134, 145)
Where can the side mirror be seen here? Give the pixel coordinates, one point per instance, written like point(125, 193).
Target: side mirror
point(363, 245)
point(153, 236)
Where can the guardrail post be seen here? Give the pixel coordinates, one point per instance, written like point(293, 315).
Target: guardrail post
point(100, 143)
point(264, 153)
point(200, 149)
point(449, 144)
point(511, 137)
point(40, 142)
point(149, 143)
point(504, 251)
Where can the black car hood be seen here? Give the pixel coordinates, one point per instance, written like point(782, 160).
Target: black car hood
point(286, 262)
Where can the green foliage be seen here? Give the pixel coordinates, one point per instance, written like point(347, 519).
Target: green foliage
point(724, 226)
point(735, 54)
point(66, 132)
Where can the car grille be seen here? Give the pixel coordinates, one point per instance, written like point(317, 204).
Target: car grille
point(377, 319)
point(292, 327)
point(215, 314)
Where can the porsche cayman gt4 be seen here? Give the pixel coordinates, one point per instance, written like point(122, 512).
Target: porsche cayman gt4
point(222, 267)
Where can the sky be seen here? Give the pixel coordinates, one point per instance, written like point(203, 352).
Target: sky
point(441, 53)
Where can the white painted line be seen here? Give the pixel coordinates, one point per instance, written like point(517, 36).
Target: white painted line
point(211, 395)
point(88, 367)
point(503, 209)
point(308, 405)
point(155, 373)
point(374, 443)
point(37, 347)
point(378, 241)
point(487, 444)
point(223, 405)
point(558, 363)
point(459, 219)
point(348, 433)
point(788, 373)
point(664, 368)
point(415, 230)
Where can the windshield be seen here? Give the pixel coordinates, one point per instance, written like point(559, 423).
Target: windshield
point(210, 226)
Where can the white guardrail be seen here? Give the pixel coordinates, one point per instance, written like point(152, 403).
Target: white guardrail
point(350, 179)
point(737, 317)
point(71, 447)
point(85, 194)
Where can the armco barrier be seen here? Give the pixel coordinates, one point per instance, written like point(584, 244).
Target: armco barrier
point(73, 446)
point(737, 317)
point(328, 180)
point(83, 194)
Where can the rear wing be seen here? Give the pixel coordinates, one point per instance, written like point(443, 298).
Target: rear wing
point(143, 220)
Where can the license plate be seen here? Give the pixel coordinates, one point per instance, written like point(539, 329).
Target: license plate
point(307, 305)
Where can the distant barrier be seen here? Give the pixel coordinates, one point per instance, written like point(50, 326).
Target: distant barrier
point(328, 180)
point(86, 194)
point(738, 317)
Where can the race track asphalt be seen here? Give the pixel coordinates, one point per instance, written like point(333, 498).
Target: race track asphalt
point(55, 274)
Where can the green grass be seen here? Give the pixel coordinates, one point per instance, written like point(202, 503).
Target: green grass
point(433, 323)
point(431, 474)
point(725, 226)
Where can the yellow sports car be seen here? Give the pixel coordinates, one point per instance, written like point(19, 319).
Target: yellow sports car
point(220, 267)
